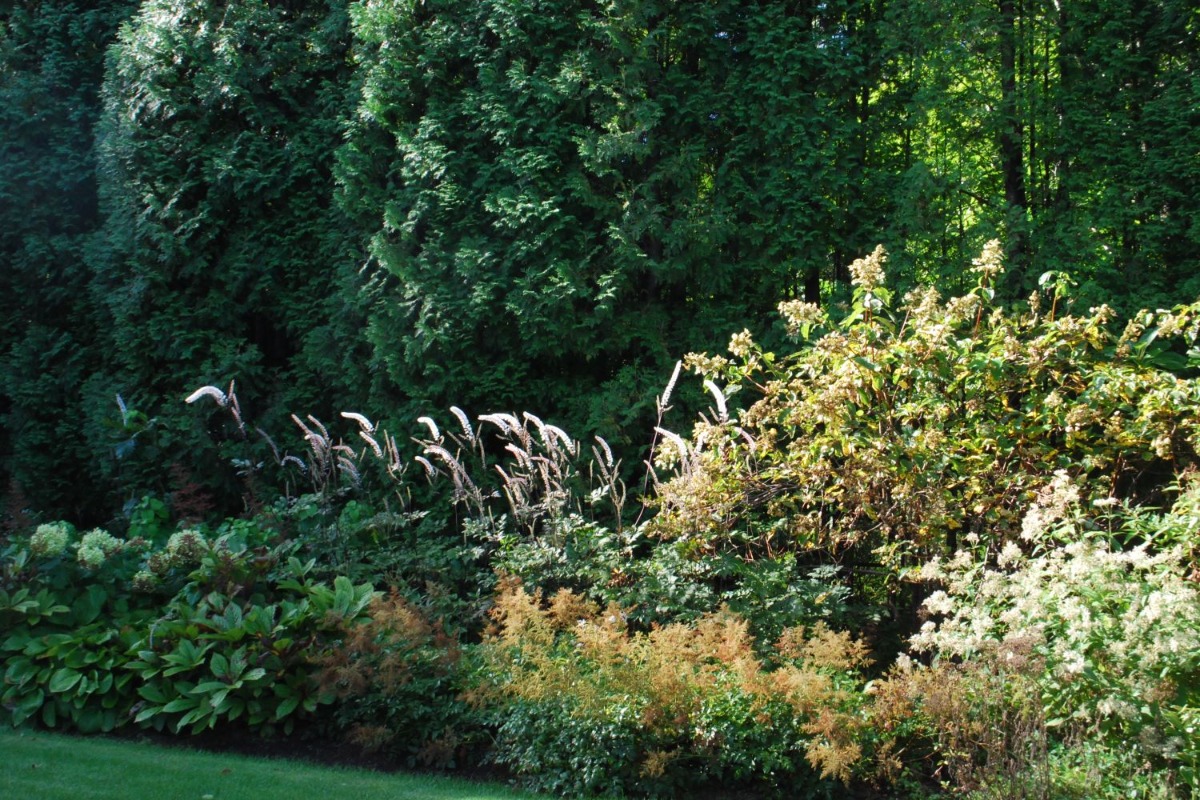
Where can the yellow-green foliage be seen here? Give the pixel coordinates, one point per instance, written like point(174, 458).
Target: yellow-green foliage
point(901, 432)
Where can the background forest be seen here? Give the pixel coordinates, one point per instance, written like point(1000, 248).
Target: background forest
point(829, 375)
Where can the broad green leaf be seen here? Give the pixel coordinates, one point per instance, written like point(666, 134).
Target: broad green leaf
point(64, 680)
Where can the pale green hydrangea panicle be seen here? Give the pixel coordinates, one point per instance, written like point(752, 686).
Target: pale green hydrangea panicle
point(186, 547)
point(990, 263)
point(801, 317)
point(50, 540)
point(95, 547)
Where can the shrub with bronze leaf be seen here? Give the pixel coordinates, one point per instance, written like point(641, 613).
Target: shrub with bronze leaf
point(396, 680)
point(582, 704)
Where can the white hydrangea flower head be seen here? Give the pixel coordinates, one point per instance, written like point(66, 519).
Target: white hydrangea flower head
point(50, 540)
point(990, 262)
point(741, 344)
point(90, 557)
point(801, 316)
point(939, 603)
point(1010, 555)
point(867, 272)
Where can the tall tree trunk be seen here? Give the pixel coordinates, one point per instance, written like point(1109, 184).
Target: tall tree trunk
point(1012, 162)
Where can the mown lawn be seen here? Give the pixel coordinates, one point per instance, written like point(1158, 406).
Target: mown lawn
point(35, 765)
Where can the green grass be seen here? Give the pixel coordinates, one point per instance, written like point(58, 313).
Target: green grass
point(43, 766)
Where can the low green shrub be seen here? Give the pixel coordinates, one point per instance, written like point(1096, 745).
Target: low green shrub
point(100, 632)
point(63, 667)
point(219, 658)
point(658, 582)
point(1094, 770)
point(405, 550)
point(67, 618)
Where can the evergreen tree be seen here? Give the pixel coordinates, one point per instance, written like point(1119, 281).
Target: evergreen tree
point(227, 255)
point(1067, 129)
point(533, 204)
point(563, 197)
point(51, 67)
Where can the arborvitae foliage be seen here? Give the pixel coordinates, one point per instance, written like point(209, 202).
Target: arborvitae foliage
point(51, 66)
point(226, 257)
point(557, 198)
point(563, 196)
point(482, 166)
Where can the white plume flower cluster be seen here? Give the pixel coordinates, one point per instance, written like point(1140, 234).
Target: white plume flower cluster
point(1113, 626)
point(989, 263)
